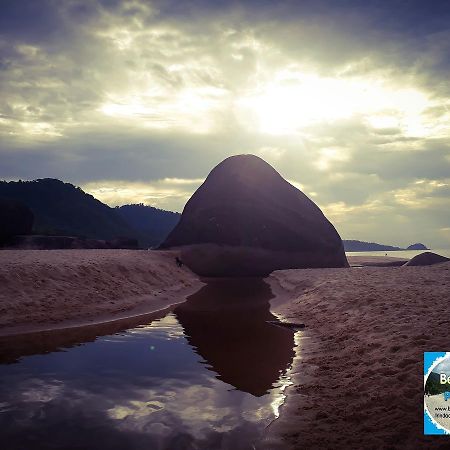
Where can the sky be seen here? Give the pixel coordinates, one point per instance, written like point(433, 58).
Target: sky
point(136, 101)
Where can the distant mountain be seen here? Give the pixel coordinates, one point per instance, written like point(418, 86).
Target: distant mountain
point(152, 224)
point(61, 209)
point(65, 210)
point(417, 246)
point(361, 246)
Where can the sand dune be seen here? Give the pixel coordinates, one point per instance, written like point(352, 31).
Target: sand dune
point(358, 374)
point(42, 289)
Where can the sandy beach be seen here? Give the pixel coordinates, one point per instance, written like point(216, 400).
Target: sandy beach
point(45, 289)
point(358, 374)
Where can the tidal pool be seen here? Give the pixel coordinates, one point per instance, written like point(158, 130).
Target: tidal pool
point(208, 374)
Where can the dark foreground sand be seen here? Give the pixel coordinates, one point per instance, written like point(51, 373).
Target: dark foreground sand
point(358, 374)
point(43, 289)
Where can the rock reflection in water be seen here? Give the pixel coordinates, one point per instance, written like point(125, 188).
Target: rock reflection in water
point(226, 322)
point(145, 388)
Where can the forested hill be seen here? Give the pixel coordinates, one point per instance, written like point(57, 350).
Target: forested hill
point(152, 224)
point(62, 209)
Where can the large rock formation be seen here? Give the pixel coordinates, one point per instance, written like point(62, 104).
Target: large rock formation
point(15, 218)
point(246, 220)
point(426, 259)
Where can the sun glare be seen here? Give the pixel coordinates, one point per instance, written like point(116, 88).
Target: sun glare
point(294, 101)
point(283, 102)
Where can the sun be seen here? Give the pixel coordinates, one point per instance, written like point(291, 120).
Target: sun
point(292, 101)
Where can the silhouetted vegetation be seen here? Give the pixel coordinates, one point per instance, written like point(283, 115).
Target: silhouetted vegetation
point(15, 218)
point(62, 209)
point(152, 224)
point(65, 210)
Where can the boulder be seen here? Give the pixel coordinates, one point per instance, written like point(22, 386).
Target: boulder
point(247, 220)
point(426, 259)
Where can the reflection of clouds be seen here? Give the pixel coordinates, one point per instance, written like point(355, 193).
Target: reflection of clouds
point(194, 409)
point(136, 409)
point(168, 409)
point(40, 391)
point(95, 386)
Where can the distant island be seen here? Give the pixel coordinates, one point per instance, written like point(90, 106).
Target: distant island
point(417, 246)
point(361, 246)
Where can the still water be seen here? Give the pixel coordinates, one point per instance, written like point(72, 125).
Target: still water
point(209, 374)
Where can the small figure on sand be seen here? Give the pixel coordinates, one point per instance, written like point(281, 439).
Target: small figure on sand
point(179, 262)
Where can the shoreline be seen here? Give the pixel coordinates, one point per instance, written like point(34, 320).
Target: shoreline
point(135, 306)
point(357, 377)
point(44, 290)
point(111, 318)
point(361, 322)
point(84, 267)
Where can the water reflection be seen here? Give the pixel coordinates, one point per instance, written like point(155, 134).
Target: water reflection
point(145, 388)
point(226, 322)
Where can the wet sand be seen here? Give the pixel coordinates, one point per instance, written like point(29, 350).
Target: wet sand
point(47, 289)
point(358, 373)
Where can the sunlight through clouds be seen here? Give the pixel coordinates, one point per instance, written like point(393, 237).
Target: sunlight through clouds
point(296, 99)
point(173, 192)
point(192, 109)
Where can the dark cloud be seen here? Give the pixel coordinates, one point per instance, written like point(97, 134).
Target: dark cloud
point(140, 91)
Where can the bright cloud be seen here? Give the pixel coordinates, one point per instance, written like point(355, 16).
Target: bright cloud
point(167, 193)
